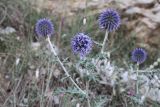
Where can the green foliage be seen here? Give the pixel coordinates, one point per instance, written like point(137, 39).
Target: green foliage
point(100, 101)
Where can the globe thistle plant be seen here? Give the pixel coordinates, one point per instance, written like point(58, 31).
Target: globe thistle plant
point(81, 44)
point(139, 55)
point(44, 27)
point(109, 20)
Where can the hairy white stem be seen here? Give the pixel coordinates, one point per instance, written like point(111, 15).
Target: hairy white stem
point(104, 42)
point(137, 83)
point(87, 88)
point(61, 64)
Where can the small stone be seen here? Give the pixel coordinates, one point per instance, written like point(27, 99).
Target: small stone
point(155, 64)
point(151, 67)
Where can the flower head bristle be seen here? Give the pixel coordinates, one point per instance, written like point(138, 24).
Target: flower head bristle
point(44, 27)
point(109, 20)
point(139, 55)
point(81, 44)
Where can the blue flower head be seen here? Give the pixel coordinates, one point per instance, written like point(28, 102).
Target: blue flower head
point(109, 20)
point(44, 27)
point(81, 44)
point(139, 55)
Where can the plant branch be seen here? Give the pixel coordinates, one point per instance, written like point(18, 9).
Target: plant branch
point(104, 41)
point(61, 64)
point(137, 83)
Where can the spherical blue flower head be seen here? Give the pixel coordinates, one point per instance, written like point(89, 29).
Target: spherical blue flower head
point(44, 27)
point(109, 20)
point(81, 44)
point(139, 55)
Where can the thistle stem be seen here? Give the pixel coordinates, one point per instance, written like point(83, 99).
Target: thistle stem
point(61, 64)
point(137, 83)
point(87, 88)
point(104, 41)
